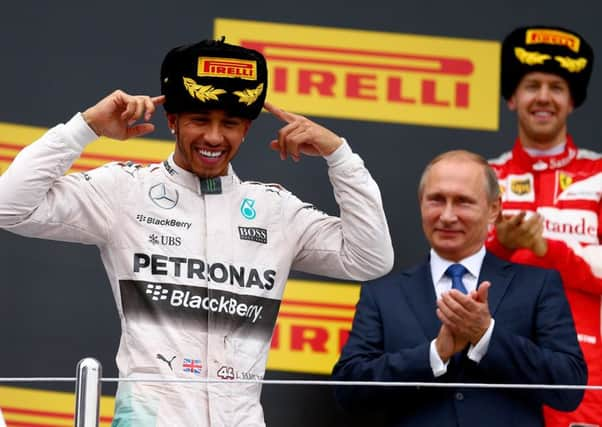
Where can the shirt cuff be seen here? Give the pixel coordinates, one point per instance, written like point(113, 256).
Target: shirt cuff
point(437, 365)
point(339, 155)
point(478, 351)
point(80, 133)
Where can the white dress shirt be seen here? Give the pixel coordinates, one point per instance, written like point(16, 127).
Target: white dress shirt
point(443, 284)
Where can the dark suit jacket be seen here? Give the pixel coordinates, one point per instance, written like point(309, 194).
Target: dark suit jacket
point(533, 342)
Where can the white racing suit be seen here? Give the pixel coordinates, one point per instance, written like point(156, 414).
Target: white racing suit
point(197, 267)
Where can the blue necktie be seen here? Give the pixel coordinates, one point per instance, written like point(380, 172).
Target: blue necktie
point(456, 272)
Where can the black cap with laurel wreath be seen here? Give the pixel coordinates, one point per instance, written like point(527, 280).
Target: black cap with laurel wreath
point(550, 50)
point(214, 75)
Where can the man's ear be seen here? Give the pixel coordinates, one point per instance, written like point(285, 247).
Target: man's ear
point(171, 121)
point(494, 210)
point(511, 103)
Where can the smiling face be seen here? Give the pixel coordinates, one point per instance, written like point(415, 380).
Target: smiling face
point(207, 141)
point(455, 207)
point(543, 103)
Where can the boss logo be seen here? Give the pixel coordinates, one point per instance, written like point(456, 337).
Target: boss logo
point(254, 234)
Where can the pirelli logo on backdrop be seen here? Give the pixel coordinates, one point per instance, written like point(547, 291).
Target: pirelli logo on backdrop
point(225, 67)
point(554, 37)
point(367, 75)
point(313, 326)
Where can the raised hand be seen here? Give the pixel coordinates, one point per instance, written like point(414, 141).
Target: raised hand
point(516, 232)
point(467, 316)
point(448, 344)
point(115, 115)
point(301, 136)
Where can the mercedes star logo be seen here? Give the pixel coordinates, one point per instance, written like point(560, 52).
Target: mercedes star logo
point(164, 197)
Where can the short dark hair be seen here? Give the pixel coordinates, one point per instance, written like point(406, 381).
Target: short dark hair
point(492, 187)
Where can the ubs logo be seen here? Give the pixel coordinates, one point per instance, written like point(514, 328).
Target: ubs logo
point(157, 239)
point(163, 196)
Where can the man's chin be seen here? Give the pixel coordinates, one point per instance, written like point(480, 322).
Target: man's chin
point(206, 173)
point(448, 235)
point(542, 133)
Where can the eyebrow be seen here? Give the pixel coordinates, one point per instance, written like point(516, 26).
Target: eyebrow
point(553, 81)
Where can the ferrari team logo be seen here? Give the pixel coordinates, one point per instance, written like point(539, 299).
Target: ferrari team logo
point(564, 180)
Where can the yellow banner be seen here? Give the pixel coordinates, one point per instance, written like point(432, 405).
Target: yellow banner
point(376, 76)
point(37, 408)
point(144, 151)
point(312, 327)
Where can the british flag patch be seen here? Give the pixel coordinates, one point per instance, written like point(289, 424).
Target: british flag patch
point(192, 366)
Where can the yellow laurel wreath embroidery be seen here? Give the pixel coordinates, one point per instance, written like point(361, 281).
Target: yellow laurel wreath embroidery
point(572, 65)
point(249, 96)
point(200, 92)
point(530, 58)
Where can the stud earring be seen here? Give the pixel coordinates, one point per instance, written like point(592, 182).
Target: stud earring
point(173, 131)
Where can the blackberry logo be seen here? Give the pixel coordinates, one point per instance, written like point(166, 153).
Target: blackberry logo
point(157, 292)
point(198, 299)
point(163, 222)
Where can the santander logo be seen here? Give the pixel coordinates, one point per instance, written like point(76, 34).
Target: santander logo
point(580, 225)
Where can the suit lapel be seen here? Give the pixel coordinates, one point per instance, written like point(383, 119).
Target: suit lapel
point(500, 274)
point(417, 287)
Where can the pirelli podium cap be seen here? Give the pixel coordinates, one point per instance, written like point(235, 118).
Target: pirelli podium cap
point(547, 49)
point(212, 74)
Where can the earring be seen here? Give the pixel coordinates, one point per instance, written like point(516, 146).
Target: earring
point(173, 131)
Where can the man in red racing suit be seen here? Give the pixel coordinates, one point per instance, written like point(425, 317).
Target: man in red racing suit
point(551, 190)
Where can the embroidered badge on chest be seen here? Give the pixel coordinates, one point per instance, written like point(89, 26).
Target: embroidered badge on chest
point(247, 209)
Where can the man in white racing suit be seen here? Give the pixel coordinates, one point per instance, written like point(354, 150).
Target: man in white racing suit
point(197, 259)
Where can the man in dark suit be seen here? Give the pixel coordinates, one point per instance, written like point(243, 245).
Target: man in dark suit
point(463, 316)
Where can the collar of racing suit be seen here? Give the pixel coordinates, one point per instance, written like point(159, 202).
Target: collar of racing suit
point(193, 182)
point(541, 163)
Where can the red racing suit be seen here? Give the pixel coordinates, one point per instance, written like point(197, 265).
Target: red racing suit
point(566, 189)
